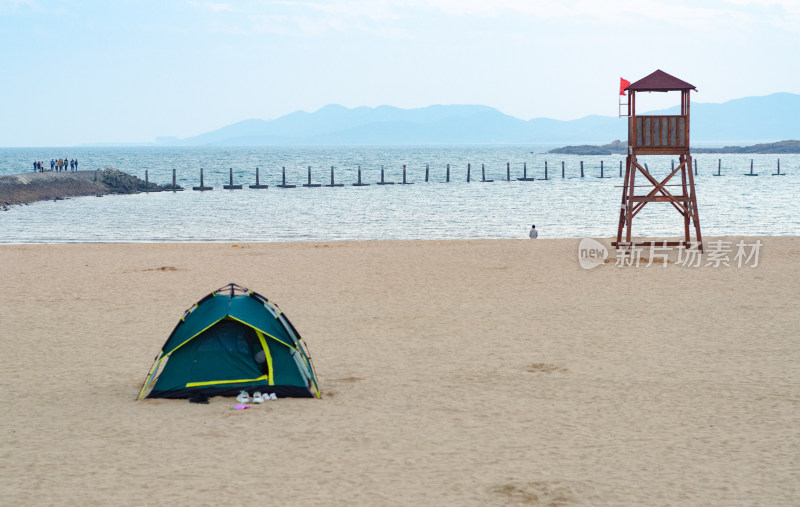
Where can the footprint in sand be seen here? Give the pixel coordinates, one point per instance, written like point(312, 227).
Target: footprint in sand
point(545, 368)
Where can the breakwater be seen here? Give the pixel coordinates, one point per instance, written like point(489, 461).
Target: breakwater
point(32, 187)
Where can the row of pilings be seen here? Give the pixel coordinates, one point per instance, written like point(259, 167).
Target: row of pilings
point(524, 176)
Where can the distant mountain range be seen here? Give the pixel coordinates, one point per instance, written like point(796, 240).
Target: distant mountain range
point(769, 118)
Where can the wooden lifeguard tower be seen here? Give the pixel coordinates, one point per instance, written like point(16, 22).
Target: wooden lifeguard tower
point(658, 135)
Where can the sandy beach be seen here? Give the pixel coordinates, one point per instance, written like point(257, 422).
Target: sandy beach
point(480, 372)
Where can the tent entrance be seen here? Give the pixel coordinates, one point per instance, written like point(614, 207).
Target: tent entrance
point(226, 354)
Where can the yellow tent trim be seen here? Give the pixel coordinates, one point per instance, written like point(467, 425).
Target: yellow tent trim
point(149, 376)
point(215, 382)
point(267, 355)
point(194, 336)
point(261, 331)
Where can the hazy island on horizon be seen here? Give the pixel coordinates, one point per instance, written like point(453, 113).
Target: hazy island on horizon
point(617, 147)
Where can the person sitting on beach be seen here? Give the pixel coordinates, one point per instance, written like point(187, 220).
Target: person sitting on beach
point(533, 234)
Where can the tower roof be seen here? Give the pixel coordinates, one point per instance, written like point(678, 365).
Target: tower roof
point(659, 81)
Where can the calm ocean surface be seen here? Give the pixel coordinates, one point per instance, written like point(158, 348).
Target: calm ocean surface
point(572, 207)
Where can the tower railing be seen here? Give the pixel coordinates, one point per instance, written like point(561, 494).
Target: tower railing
point(658, 131)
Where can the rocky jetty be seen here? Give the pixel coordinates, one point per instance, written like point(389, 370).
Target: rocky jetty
point(31, 187)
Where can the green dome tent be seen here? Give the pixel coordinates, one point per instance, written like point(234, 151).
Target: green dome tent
point(230, 341)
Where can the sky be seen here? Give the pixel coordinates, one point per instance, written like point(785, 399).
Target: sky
point(120, 71)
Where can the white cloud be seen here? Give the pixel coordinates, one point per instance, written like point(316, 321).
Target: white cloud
point(398, 18)
point(613, 13)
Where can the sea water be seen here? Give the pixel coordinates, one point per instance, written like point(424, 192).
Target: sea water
point(568, 207)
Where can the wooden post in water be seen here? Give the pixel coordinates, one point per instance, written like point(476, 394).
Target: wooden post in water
point(230, 185)
point(581, 168)
point(202, 186)
point(620, 168)
point(359, 184)
point(258, 184)
point(483, 174)
point(147, 182)
point(525, 173)
point(545, 170)
point(562, 169)
point(469, 168)
point(174, 186)
point(309, 184)
point(384, 182)
point(334, 184)
point(751, 169)
point(646, 168)
point(719, 167)
point(448, 173)
point(779, 173)
point(602, 170)
point(695, 167)
point(404, 177)
point(283, 179)
point(508, 171)
point(426, 172)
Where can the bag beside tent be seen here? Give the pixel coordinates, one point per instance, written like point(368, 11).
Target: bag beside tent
point(230, 341)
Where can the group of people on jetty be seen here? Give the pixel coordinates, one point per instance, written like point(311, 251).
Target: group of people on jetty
point(62, 164)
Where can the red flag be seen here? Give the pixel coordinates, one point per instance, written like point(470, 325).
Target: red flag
point(623, 83)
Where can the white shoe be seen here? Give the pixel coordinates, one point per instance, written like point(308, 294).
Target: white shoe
point(272, 396)
point(257, 397)
point(243, 397)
